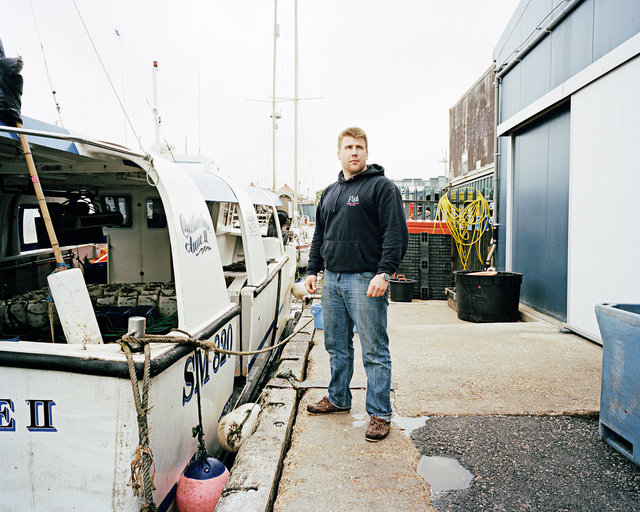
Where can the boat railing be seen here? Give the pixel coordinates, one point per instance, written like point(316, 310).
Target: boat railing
point(418, 209)
point(271, 275)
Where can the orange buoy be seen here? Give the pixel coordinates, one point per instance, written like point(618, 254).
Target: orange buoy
point(200, 486)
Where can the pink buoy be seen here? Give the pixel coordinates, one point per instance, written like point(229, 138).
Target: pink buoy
point(200, 486)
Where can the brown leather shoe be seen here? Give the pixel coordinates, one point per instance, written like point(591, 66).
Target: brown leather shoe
point(325, 407)
point(378, 429)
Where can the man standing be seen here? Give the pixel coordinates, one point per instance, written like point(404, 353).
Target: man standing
point(360, 238)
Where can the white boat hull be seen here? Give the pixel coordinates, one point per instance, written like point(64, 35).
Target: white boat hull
point(72, 436)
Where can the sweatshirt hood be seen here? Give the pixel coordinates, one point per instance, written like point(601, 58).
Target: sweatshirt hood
point(371, 170)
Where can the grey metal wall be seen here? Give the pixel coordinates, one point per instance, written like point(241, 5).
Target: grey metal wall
point(541, 159)
point(591, 30)
point(541, 212)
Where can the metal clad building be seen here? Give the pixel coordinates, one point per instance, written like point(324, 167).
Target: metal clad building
point(568, 80)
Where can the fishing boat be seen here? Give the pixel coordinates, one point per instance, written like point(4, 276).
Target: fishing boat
point(185, 251)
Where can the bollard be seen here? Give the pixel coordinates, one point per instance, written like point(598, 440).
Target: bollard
point(136, 327)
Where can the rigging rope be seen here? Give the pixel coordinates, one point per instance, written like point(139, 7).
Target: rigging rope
point(466, 223)
point(148, 157)
point(124, 110)
point(135, 75)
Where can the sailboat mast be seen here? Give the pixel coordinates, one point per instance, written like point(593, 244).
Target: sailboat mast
point(295, 108)
point(273, 94)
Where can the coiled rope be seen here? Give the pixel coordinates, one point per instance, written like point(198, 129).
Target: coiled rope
point(466, 223)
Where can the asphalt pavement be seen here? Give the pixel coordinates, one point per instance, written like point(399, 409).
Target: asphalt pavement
point(531, 463)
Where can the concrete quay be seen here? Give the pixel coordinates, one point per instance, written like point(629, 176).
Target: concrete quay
point(514, 404)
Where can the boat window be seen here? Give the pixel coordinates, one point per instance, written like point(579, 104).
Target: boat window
point(27, 215)
point(156, 217)
point(122, 204)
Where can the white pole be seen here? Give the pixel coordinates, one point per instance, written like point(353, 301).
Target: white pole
point(156, 116)
point(273, 92)
point(295, 104)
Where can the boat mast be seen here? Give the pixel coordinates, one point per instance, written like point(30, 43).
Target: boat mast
point(295, 109)
point(273, 93)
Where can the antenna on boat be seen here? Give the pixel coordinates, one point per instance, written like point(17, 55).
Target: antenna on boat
point(156, 116)
point(46, 65)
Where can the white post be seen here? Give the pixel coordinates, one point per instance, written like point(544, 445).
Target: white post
point(295, 105)
point(273, 94)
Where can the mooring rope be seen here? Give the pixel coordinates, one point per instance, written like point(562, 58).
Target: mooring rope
point(206, 344)
point(141, 476)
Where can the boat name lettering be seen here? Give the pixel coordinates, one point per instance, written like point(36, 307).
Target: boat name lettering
point(196, 231)
point(40, 415)
point(199, 367)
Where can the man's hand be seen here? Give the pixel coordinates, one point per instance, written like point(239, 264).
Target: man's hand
point(310, 283)
point(377, 286)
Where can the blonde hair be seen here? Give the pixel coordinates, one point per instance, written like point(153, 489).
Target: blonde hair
point(356, 133)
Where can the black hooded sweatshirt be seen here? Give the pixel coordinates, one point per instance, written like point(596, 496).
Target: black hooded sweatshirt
point(360, 225)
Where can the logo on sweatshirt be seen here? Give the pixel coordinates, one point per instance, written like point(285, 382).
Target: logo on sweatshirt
point(353, 201)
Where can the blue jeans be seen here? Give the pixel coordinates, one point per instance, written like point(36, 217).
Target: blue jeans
point(345, 301)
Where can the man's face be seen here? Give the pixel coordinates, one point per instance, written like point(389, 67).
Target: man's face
point(353, 154)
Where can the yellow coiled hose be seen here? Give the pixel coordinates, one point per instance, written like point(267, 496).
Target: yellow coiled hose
point(467, 223)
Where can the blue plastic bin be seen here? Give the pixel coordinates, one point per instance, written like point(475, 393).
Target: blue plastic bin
point(316, 311)
point(619, 406)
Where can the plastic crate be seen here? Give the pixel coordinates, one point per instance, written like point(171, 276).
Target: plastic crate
point(619, 407)
point(318, 323)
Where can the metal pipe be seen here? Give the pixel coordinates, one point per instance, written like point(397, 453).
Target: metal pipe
point(505, 68)
point(496, 156)
point(71, 138)
point(259, 288)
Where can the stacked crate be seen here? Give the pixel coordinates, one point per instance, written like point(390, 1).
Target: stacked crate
point(428, 260)
point(435, 266)
point(411, 263)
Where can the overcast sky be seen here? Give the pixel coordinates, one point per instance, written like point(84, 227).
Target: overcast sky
point(392, 68)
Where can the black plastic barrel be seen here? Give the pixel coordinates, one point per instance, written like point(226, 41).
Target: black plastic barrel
point(488, 298)
point(401, 290)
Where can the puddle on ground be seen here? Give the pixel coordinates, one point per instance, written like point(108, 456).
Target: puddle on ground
point(408, 425)
point(444, 474)
point(360, 420)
